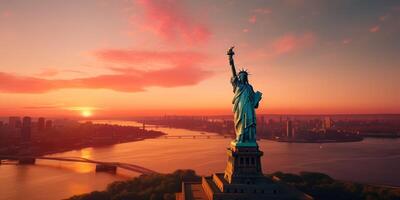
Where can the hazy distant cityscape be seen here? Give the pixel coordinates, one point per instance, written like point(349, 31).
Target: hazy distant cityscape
point(294, 128)
point(38, 136)
point(27, 135)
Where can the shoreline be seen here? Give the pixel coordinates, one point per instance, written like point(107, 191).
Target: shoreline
point(93, 146)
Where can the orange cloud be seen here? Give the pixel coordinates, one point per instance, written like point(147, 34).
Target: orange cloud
point(169, 20)
point(48, 106)
point(26, 84)
point(291, 42)
point(374, 29)
point(48, 72)
point(181, 70)
point(125, 82)
point(51, 72)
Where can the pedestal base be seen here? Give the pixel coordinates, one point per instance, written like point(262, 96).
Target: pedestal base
point(244, 164)
point(243, 179)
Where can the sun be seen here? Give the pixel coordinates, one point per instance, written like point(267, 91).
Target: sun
point(86, 113)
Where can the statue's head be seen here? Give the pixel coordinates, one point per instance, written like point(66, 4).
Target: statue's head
point(243, 76)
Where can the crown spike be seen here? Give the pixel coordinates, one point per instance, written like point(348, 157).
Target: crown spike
point(243, 71)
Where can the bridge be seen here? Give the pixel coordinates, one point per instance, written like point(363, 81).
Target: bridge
point(101, 165)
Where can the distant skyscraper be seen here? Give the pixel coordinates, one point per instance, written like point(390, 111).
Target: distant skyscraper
point(49, 124)
point(1, 124)
point(293, 132)
point(327, 123)
point(26, 128)
point(14, 122)
point(289, 128)
point(41, 124)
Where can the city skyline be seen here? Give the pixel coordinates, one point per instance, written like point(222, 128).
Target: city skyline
point(120, 58)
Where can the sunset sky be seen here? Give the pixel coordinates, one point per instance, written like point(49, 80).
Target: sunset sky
point(156, 57)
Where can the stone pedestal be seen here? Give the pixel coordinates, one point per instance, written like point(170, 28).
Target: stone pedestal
point(243, 179)
point(244, 164)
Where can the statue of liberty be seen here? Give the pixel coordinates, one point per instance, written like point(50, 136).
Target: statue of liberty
point(245, 101)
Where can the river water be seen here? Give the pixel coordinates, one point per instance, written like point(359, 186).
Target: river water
point(374, 161)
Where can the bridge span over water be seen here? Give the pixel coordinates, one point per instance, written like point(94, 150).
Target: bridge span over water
point(101, 164)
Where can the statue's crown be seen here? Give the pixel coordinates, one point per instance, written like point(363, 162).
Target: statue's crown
point(243, 71)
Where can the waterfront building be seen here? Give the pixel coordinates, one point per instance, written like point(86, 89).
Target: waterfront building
point(327, 123)
point(26, 128)
point(14, 122)
point(41, 124)
point(49, 124)
point(289, 128)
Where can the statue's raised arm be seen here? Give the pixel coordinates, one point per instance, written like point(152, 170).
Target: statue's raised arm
point(230, 53)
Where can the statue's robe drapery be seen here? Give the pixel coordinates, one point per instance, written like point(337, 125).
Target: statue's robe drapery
point(244, 103)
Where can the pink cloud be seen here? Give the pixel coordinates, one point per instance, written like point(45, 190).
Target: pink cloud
point(384, 17)
point(6, 14)
point(127, 56)
point(181, 70)
point(374, 29)
point(291, 42)
point(257, 12)
point(262, 11)
point(245, 30)
point(346, 41)
point(396, 8)
point(170, 21)
point(253, 19)
point(295, 2)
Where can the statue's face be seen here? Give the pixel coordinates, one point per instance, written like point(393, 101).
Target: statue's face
point(243, 77)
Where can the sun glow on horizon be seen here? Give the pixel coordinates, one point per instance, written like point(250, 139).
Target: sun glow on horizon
point(86, 113)
point(83, 111)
